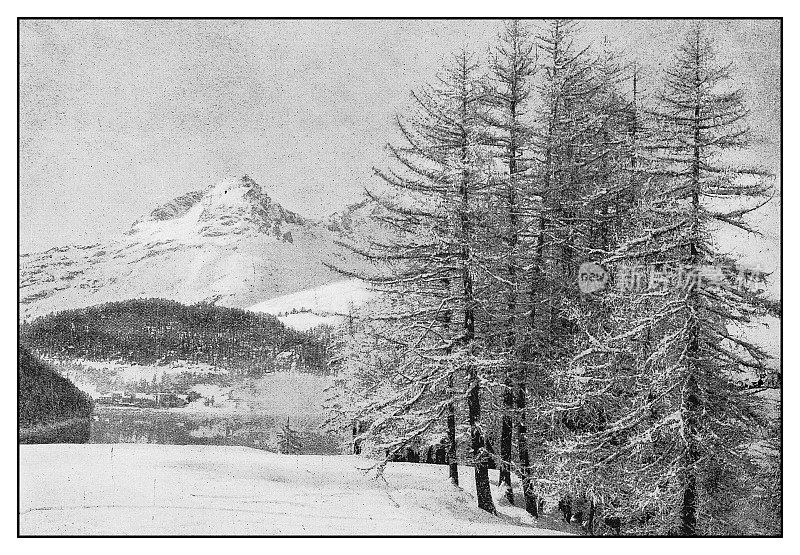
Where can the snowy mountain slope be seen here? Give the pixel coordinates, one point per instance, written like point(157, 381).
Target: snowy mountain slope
point(202, 489)
point(355, 218)
point(229, 244)
point(326, 304)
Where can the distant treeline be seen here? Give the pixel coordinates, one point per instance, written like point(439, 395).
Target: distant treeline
point(159, 331)
point(45, 397)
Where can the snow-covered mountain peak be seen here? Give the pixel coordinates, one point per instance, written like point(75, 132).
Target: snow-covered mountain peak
point(229, 243)
point(235, 194)
point(228, 209)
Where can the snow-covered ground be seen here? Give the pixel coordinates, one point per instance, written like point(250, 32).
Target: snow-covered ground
point(278, 394)
point(326, 304)
point(130, 372)
point(171, 489)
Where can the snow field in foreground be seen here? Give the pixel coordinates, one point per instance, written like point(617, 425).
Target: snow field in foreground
point(193, 489)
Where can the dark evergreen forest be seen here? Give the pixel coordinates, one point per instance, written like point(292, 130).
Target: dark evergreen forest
point(44, 396)
point(158, 331)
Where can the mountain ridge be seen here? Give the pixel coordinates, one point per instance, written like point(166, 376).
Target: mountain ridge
point(229, 243)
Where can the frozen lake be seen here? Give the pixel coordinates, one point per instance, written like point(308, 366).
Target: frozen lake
point(179, 427)
point(111, 424)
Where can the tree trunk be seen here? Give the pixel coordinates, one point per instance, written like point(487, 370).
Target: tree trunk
point(689, 505)
point(480, 457)
point(479, 453)
point(452, 451)
point(507, 427)
point(452, 446)
point(690, 397)
point(531, 502)
point(482, 485)
point(506, 431)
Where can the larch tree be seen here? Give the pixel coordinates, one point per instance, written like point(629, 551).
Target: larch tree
point(705, 118)
point(562, 149)
point(679, 448)
point(511, 72)
point(426, 270)
point(599, 382)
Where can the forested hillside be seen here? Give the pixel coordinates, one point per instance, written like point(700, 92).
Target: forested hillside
point(158, 331)
point(45, 397)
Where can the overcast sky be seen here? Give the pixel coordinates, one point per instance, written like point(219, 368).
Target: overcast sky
point(117, 117)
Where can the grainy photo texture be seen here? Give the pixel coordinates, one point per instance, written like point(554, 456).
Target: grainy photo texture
point(400, 277)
